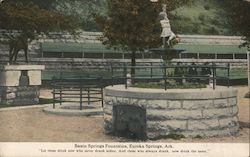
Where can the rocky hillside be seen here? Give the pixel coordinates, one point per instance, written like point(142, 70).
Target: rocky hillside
point(83, 10)
point(202, 17)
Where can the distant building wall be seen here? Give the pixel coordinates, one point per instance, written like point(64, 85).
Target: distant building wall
point(35, 53)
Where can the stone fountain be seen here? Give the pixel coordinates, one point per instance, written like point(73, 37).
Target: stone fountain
point(153, 113)
point(169, 39)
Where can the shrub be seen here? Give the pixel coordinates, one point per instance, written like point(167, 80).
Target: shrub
point(206, 7)
point(202, 18)
point(171, 84)
point(170, 136)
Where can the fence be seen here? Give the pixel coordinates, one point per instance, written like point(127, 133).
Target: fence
point(211, 75)
point(82, 90)
point(89, 89)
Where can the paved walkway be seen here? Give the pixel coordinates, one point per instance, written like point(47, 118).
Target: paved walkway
point(32, 124)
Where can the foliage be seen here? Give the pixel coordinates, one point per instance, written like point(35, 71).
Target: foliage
point(25, 21)
point(171, 84)
point(133, 25)
point(202, 17)
point(239, 15)
point(184, 20)
point(44, 4)
point(126, 26)
point(83, 10)
point(173, 136)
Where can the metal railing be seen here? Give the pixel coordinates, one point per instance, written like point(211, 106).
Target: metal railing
point(164, 76)
point(87, 89)
point(81, 90)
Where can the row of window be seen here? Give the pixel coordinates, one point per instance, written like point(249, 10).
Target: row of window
point(214, 56)
point(138, 55)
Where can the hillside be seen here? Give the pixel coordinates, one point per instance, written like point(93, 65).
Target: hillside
point(203, 17)
point(83, 10)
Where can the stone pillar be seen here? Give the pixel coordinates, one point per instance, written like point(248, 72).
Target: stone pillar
point(19, 84)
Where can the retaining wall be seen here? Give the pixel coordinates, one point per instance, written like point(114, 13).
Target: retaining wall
point(35, 54)
point(190, 112)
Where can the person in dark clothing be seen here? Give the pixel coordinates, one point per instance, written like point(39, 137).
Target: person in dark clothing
point(192, 72)
point(206, 71)
point(178, 72)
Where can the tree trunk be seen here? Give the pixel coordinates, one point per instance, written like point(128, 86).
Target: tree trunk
point(133, 64)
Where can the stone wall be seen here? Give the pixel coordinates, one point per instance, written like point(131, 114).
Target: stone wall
point(55, 64)
point(35, 54)
point(19, 84)
point(189, 112)
point(20, 95)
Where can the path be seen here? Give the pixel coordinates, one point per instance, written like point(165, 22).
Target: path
point(29, 125)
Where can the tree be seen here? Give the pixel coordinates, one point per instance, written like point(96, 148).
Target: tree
point(83, 10)
point(24, 21)
point(239, 16)
point(44, 4)
point(133, 25)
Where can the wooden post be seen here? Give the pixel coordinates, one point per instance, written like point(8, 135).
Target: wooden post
point(248, 63)
point(54, 94)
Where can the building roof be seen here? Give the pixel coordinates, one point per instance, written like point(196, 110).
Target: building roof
point(212, 49)
point(99, 48)
point(77, 47)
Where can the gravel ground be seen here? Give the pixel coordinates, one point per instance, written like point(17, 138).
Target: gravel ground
point(30, 125)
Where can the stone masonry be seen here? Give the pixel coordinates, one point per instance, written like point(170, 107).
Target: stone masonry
point(189, 112)
point(21, 95)
point(19, 84)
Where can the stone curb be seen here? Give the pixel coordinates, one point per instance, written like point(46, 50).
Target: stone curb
point(171, 94)
point(23, 107)
point(65, 112)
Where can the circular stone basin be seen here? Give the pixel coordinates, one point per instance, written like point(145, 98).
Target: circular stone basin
point(188, 112)
point(74, 110)
point(75, 107)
